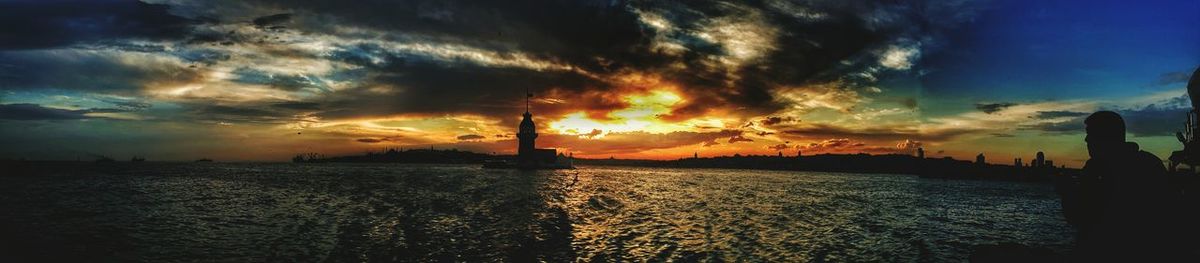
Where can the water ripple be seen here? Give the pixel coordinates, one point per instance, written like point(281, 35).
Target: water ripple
point(381, 212)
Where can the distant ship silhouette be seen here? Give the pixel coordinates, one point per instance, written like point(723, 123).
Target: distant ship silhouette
point(528, 156)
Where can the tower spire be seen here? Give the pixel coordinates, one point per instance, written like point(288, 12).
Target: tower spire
point(527, 96)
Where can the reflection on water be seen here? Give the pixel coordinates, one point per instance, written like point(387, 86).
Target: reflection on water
point(349, 212)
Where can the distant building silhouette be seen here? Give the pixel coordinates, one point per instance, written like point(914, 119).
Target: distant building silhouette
point(1040, 162)
point(979, 159)
point(1017, 162)
point(920, 153)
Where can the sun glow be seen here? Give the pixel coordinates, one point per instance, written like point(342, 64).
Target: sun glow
point(642, 114)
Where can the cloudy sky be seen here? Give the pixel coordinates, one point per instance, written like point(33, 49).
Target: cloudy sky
point(263, 80)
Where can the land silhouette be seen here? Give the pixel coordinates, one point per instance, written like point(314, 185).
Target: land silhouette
point(447, 156)
point(946, 167)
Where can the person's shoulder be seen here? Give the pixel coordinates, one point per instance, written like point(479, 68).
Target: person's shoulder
point(1149, 159)
point(1091, 162)
point(1144, 155)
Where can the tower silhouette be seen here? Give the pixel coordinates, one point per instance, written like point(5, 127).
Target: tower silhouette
point(526, 135)
point(528, 155)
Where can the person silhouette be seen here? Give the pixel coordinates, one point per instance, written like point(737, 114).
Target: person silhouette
point(1119, 205)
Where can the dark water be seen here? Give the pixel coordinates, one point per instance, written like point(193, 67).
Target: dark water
point(348, 212)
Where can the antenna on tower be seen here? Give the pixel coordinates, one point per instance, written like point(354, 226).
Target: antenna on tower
point(527, 96)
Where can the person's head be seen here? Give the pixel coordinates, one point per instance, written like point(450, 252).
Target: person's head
point(1105, 133)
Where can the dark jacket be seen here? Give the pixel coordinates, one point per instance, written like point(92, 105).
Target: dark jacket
point(1120, 204)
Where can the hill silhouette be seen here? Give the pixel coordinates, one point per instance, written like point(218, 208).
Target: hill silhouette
point(449, 156)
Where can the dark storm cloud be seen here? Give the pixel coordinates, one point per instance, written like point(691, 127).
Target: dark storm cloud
point(130, 105)
point(772, 120)
point(471, 137)
point(603, 38)
point(575, 30)
point(990, 108)
point(882, 133)
point(222, 110)
point(1058, 114)
point(383, 139)
point(1163, 118)
point(88, 71)
point(589, 43)
point(1173, 77)
point(1069, 126)
point(244, 113)
point(739, 138)
point(805, 50)
point(272, 20)
point(1154, 120)
point(421, 87)
point(298, 105)
point(593, 133)
point(44, 24)
point(29, 111)
point(779, 147)
point(283, 82)
point(369, 140)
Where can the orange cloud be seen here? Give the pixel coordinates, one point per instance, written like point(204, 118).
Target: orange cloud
point(847, 146)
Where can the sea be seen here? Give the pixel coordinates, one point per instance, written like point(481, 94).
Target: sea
point(256, 212)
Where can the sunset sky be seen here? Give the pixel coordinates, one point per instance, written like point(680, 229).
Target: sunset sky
point(264, 80)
